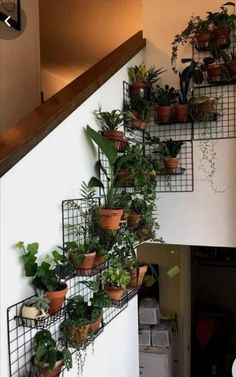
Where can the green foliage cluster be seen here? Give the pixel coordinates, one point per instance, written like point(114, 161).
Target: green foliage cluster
point(47, 275)
point(144, 74)
point(112, 120)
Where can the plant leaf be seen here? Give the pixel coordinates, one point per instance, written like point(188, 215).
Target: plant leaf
point(104, 144)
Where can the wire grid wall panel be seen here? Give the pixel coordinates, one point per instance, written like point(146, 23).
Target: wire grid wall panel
point(77, 214)
point(175, 131)
point(20, 341)
point(224, 124)
point(182, 179)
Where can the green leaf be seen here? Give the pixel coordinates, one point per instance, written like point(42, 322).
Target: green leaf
point(95, 182)
point(20, 245)
point(104, 144)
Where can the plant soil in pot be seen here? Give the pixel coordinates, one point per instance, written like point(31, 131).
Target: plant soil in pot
point(203, 40)
point(171, 165)
point(115, 293)
point(181, 112)
point(134, 281)
point(109, 219)
point(56, 298)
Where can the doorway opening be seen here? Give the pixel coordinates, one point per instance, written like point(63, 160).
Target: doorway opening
point(213, 311)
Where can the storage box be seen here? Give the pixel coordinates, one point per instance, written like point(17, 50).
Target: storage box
point(144, 335)
point(149, 312)
point(161, 335)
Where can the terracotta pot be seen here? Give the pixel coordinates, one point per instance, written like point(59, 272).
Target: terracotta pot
point(134, 281)
point(110, 218)
point(99, 260)
point(96, 325)
point(138, 124)
point(133, 219)
point(164, 114)
point(123, 145)
point(203, 40)
point(126, 178)
point(115, 137)
point(56, 298)
point(114, 293)
point(140, 88)
point(214, 72)
point(85, 267)
point(44, 372)
point(171, 165)
point(78, 334)
point(222, 36)
point(181, 113)
point(232, 66)
point(145, 230)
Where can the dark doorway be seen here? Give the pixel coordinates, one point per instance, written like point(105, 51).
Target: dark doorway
point(213, 308)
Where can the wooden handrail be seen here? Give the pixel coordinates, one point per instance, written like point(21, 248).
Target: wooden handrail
point(18, 140)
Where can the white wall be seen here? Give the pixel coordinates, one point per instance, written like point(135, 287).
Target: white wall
point(20, 66)
point(204, 217)
point(31, 195)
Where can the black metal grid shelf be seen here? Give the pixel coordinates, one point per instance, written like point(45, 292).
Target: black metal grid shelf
point(224, 93)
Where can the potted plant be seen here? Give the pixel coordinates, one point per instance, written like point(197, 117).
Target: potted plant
point(169, 150)
point(202, 108)
point(81, 256)
point(124, 251)
point(47, 275)
point(197, 30)
point(223, 23)
point(108, 216)
point(140, 107)
point(99, 300)
point(137, 206)
point(75, 328)
point(111, 122)
point(48, 358)
point(36, 308)
point(142, 78)
point(165, 98)
point(115, 280)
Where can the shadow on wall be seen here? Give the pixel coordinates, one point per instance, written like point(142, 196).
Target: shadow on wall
point(74, 36)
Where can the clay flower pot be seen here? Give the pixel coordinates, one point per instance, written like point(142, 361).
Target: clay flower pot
point(115, 293)
point(84, 267)
point(96, 325)
point(164, 114)
point(135, 282)
point(138, 124)
point(203, 40)
point(181, 112)
point(140, 88)
point(78, 334)
point(115, 137)
point(232, 66)
point(214, 72)
point(98, 260)
point(171, 165)
point(222, 36)
point(44, 372)
point(109, 218)
point(56, 298)
point(133, 219)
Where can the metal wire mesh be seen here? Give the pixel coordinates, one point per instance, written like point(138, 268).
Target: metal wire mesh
point(223, 124)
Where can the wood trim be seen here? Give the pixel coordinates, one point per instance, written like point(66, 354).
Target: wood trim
point(18, 140)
